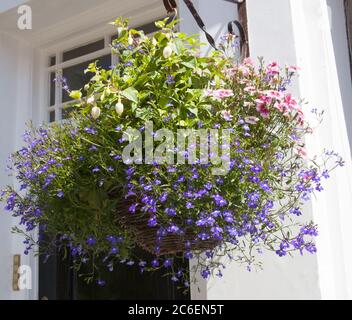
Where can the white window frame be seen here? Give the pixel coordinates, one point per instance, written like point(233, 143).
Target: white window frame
point(105, 32)
point(61, 65)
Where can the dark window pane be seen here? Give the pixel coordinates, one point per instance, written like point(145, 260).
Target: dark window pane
point(76, 78)
point(81, 51)
point(52, 88)
point(52, 61)
point(52, 116)
point(148, 28)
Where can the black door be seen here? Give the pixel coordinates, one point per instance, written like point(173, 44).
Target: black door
point(58, 281)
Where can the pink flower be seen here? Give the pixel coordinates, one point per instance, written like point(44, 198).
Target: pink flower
point(250, 89)
point(299, 116)
point(293, 69)
point(230, 71)
point(244, 70)
point(300, 112)
point(243, 81)
point(280, 107)
point(220, 93)
point(290, 102)
point(263, 110)
point(265, 99)
point(251, 120)
point(274, 94)
point(224, 93)
point(248, 61)
point(273, 68)
point(300, 121)
point(302, 152)
point(226, 115)
point(262, 105)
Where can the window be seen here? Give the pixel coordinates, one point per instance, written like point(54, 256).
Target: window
point(70, 64)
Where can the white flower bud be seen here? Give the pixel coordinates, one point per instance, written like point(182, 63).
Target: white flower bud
point(154, 42)
point(167, 52)
point(119, 107)
point(90, 100)
point(120, 29)
point(130, 40)
point(95, 112)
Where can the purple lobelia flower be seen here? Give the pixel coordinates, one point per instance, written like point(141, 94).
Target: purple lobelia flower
point(96, 170)
point(170, 79)
point(168, 263)
point(170, 212)
point(219, 200)
point(60, 194)
point(91, 241)
point(152, 222)
point(90, 130)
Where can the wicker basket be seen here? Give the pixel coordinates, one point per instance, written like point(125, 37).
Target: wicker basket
point(146, 236)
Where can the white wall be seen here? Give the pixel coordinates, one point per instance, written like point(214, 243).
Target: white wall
point(15, 106)
point(326, 82)
point(215, 14)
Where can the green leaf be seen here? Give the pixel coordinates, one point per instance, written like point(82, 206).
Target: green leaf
point(160, 24)
point(194, 111)
point(143, 113)
point(76, 94)
point(130, 94)
point(188, 64)
point(92, 67)
point(178, 46)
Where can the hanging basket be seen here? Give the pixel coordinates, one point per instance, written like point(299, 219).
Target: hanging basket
point(146, 236)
